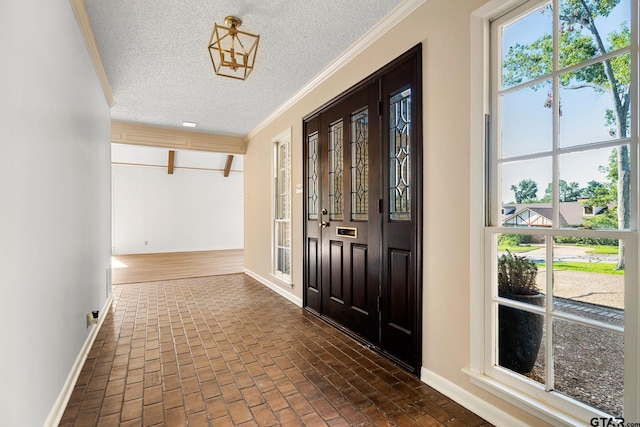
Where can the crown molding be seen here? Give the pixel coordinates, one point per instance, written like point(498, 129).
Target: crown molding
point(394, 17)
point(82, 17)
point(156, 136)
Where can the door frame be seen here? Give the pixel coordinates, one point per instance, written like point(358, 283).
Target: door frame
point(416, 211)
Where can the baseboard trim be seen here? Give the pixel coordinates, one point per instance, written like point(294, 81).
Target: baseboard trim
point(274, 287)
point(469, 400)
point(65, 394)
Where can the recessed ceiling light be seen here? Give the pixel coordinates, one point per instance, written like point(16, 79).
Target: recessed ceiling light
point(189, 124)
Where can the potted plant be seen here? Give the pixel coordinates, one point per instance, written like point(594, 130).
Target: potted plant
point(519, 331)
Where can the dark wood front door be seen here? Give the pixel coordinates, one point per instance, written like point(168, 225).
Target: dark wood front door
point(362, 210)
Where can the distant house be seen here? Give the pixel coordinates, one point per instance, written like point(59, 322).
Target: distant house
point(540, 214)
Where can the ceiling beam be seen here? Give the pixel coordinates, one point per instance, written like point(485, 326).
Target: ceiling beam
point(227, 166)
point(82, 17)
point(172, 156)
point(157, 136)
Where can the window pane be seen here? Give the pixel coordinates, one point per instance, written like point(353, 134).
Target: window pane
point(282, 155)
point(279, 233)
point(587, 111)
point(526, 121)
point(520, 338)
point(281, 208)
point(589, 189)
point(586, 282)
point(284, 261)
point(287, 235)
point(527, 40)
point(336, 159)
point(579, 38)
point(521, 268)
point(360, 165)
point(312, 190)
point(399, 167)
point(589, 365)
point(522, 182)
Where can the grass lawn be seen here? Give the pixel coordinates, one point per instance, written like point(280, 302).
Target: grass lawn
point(602, 249)
point(588, 267)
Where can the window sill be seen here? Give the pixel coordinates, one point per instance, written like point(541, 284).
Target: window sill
point(535, 407)
point(282, 280)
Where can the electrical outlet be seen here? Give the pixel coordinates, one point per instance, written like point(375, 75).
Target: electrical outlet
point(89, 320)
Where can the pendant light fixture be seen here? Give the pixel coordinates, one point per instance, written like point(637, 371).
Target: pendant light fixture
point(233, 52)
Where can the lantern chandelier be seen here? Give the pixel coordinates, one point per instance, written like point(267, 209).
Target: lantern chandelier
point(233, 52)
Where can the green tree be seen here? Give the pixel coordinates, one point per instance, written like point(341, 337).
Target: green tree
point(604, 194)
point(581, 40)
point(593, 190)
point(526, 191)
point(569, 192)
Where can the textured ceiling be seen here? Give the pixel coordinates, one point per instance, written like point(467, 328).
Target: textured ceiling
point(156, 57)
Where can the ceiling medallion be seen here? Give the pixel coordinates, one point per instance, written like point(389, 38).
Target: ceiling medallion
point(233, 52)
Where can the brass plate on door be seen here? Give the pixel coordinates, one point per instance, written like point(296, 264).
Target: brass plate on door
point(347, 232)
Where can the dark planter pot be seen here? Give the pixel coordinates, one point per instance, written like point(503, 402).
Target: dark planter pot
point(519, 334)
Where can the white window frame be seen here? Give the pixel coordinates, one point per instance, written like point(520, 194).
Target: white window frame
point(527, 395)
point(283, 139)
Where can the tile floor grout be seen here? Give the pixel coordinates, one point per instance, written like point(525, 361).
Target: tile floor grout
point(226, 351)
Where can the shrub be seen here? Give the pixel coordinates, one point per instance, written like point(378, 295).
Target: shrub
point(517, 275)
point(584, 241)
point(513, 239)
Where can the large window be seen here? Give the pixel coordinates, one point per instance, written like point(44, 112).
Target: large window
point(561, 228)
point(282, 207)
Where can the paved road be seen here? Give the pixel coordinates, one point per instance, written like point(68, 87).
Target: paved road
point(569, 253)
point(592, 288)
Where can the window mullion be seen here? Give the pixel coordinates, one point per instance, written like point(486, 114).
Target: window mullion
point(556, 118)
point(548, 319)
point(494, 120)
point(549, 358)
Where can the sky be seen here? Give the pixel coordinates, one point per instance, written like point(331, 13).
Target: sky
point(527, 126)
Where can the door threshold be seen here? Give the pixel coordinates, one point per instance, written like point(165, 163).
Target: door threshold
point(415, 371)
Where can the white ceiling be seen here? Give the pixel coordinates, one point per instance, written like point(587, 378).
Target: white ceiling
point(156, 57)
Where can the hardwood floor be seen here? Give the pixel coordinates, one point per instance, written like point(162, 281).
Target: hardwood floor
point(177, 265)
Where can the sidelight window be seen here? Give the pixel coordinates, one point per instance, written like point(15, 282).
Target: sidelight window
point(282, 207)
point(399, 137)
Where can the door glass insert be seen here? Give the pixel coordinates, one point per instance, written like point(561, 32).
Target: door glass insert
point(399, 165)
point(336, 175)
point(360, 165)
point(312, 190)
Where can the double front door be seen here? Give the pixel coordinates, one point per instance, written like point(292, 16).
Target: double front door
point(363, 211)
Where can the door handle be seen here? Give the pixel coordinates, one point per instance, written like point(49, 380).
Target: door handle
point(323, 224)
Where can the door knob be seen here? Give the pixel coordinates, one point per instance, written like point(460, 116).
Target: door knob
point(324, 224)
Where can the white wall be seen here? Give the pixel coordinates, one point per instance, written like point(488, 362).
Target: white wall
point(190, 210)
point(55, 203)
